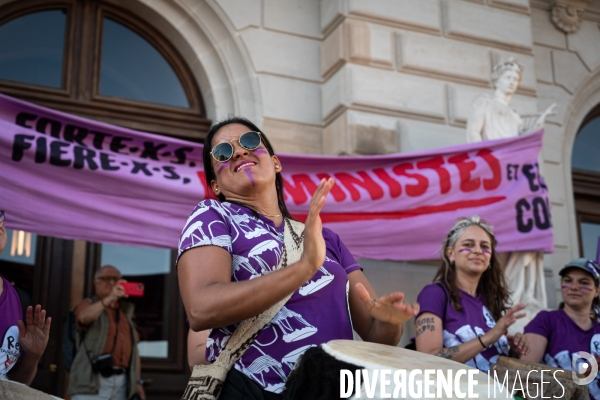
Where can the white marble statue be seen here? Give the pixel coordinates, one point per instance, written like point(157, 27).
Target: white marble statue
point(492, 118)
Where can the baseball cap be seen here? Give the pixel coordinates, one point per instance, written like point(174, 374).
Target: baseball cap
point(589, 266)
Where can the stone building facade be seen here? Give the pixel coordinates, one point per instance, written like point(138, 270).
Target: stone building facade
point(349, 77)
point(384, 76)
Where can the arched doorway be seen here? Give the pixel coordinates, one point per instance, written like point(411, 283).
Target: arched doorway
point(100, 61)
point(585, 164)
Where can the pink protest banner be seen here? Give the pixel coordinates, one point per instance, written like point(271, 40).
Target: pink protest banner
point(69, 177)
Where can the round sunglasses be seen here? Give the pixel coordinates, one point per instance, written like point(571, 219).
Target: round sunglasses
point(224, 151)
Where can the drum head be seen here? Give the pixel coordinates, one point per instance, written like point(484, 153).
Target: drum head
point(372, 356)
point(10, 390)
point(392, 357)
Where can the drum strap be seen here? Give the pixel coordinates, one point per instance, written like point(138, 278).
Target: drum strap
point(207, 381)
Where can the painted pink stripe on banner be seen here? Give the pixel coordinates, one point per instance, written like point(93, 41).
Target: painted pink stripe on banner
point(425, 210)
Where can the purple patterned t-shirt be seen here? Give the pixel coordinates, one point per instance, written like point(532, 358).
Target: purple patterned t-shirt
point(565, 337)
point(463, 326)
point(10, 313)
point(316, 313)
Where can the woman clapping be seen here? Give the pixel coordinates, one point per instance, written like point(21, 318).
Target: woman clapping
point(464, 315)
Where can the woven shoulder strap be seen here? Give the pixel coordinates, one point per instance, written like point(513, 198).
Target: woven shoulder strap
point(249, 329)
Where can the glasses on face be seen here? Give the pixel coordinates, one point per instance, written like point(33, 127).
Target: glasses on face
point(107, 279)
point(224, 151)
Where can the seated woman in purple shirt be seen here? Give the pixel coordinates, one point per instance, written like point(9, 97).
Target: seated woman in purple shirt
point(229, 250)
point(554, 336)
point(461, 314)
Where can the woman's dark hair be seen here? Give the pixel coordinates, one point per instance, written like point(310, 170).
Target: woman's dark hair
point(492, 284)
point(595, 308)
point(210, 172)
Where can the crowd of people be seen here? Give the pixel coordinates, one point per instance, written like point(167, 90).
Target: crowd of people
point(230, 247)
point(236, 262)
point(106, 364)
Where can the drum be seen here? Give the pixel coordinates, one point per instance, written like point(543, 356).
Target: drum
point(317, 374)
point(558, 383)
point(10, 390)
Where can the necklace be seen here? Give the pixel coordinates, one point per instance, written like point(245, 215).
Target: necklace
point(271, 216)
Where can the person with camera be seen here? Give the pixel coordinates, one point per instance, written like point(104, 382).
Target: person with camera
point(107, 364)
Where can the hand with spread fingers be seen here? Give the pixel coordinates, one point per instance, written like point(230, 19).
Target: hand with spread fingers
point(314, 244)
point(33, 338)
point(502, 325)
point(519, 344)
point(389, 308)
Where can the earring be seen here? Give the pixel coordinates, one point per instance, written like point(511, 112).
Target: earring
point(217, 190)
point(452, 262)
point(490, 266)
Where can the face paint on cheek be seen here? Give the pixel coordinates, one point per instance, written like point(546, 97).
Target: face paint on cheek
point(223, 166)
point(260, 151)
point(486, 252)
point(249, 175)
point(584, 288)
point(465, 250)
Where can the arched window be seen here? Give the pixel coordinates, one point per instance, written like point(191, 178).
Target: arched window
point(132, 68)
point(32, 48)
point(95, 60)
point(585, 163)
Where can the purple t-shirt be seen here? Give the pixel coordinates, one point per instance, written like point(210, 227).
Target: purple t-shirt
point(463, 326)
point(316, 313)
point(10, 313)
point(565, 337)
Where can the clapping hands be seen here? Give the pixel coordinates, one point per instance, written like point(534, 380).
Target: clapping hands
point(389, 308)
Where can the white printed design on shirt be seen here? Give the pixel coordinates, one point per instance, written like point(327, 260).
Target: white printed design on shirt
point(253, 261)
point(595, 349)
point(489, 320)
point(10, 350)
point(564, 359)
point(314, 286)
point(467, 333)
point(260, 365)
point(293, 325)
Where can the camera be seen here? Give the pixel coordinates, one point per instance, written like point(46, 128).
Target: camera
point(103, 365)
